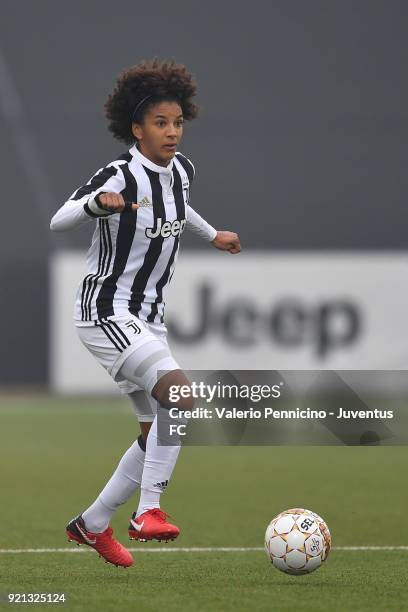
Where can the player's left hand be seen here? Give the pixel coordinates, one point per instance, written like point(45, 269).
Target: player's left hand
point(227, 241)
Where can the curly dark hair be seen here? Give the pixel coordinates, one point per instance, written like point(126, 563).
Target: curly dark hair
point(160, 81)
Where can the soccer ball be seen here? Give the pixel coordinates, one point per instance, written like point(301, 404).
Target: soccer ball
point(297, 541)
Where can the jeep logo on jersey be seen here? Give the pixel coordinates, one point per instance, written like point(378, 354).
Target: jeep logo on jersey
point(166, 229)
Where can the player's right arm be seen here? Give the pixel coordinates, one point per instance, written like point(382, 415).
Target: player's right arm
point(100, 197)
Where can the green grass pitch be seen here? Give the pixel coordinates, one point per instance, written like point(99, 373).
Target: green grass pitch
point(56, 454)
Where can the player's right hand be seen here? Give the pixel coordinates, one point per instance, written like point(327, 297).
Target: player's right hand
point(114, 202)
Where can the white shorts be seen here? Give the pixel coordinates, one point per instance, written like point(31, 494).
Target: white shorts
point(112, 340)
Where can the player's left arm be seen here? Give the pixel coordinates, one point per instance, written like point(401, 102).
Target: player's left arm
point(223, 240)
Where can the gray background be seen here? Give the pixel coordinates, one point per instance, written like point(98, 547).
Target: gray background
point(301, 142)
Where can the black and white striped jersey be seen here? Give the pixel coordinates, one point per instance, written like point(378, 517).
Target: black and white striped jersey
point(133, 254)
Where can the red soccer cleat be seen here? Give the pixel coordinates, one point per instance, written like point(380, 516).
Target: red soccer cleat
point(106, 545)
point(152, 525)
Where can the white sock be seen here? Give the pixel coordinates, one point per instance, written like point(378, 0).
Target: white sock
point(158, 468)
point(123, 483)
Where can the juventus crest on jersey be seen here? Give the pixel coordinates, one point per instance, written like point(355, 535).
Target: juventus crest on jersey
point(133, 254)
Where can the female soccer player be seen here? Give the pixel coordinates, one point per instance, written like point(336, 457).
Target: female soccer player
point(140, 204)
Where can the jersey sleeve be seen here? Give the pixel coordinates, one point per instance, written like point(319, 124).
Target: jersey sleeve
point(198, 225)
point(81, 207)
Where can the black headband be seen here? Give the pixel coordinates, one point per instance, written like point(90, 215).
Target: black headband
point(139, 105)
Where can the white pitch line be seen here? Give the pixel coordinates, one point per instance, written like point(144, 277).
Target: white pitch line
point(141, 549)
